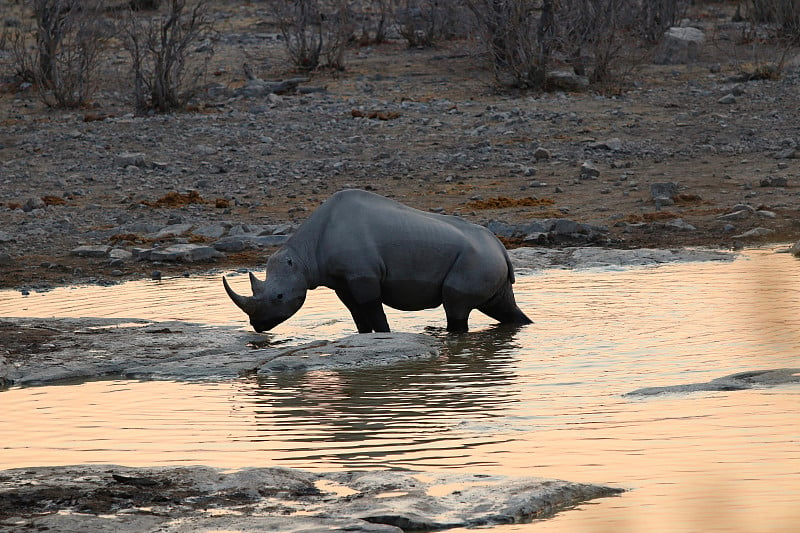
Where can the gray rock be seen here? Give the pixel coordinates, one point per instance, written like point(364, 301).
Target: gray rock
point(6, 237)
point(127, 159)
point(589, 171)
point(727, 99)
point(680, 224)
point(771, 181)
point(736, 215)
point(213, 231)
point(173, 230)
point(795, 249)
point(755, 233)
point(739, 381)
point(33, 203)
point(355, 351)
point(567, 80)
point(270, 240)
point(91, 250)
point(283, 229)
point(188, 253)
point(549, 230)
point(596, 257)
point(141, 254)
point(679, 46)
point(120, 254)
point(232, 244)
point(541, 154)
point(240, 243)
point(6, 259)
point(788, 153)
point(614, 144)
point(296, 501)
point(664, 191)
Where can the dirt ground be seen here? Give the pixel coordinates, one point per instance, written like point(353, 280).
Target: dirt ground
point(428, 127)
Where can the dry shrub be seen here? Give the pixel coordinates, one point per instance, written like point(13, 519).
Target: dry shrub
point(422, 23)
point(375, 115)
point(176, 199)
point(169, 55)
point(502, 202)
point(316, 32)
point(61, 52)
point(785, 14)
point(525, 39)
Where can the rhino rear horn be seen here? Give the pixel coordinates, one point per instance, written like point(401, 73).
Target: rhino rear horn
point(245, 303)
point(256, 284)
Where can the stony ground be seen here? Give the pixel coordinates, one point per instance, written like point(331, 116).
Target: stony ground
point(427, 127)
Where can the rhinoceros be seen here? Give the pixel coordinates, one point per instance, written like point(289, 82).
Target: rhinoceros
point(371, 251)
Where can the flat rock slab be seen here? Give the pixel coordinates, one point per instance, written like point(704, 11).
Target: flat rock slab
point(740, 381)
point(537, 258)
point(190, 499)
point(39, 351)
point(354, 351)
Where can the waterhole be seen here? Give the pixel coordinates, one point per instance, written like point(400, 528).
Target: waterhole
point(545, 400)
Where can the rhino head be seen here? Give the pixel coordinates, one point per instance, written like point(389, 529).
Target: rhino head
point(277, 298)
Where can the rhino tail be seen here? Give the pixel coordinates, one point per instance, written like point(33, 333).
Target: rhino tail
point(511, 278)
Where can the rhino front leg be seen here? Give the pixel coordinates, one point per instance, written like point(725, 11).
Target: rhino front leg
point(368, 317)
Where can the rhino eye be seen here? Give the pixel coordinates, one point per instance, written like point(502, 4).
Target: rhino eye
point(280, 297)
point(289, 261)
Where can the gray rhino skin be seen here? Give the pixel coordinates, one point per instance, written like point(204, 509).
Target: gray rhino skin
point(372, 251)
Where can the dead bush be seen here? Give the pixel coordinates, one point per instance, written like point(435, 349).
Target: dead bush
point(527, 39)
point(784, 14)
point(169, 55)
point(316, 32)
point(422, 23)
point(60, 53)
point(519, 36)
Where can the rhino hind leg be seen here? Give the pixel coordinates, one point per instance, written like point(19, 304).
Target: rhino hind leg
point(503, 308)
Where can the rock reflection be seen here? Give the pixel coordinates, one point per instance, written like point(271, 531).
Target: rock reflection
point(420, 407)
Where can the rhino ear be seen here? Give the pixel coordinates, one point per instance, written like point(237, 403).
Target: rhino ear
point(256, 284)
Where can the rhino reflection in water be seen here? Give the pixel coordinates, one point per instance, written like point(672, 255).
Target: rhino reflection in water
point(373, 251)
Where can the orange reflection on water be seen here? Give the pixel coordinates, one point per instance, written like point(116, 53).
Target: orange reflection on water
point(544, 400)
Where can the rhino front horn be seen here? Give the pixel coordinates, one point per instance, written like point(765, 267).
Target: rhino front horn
point(244, 303)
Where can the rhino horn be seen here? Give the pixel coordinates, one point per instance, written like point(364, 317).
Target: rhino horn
point(245, 303)
point(256, 284)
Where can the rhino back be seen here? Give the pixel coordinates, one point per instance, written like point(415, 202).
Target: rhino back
point(360, 232)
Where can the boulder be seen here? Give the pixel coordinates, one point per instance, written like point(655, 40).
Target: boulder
point(91, 250)
point(185, 253)
point(567, 80)
point(679, 46)
point(755, 233)
point(795, 249)
point(589, 171)
point(663, 192)
point(173, 230)
point(127, 159)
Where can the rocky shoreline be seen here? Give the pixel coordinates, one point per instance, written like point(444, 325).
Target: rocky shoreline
point(115, 498)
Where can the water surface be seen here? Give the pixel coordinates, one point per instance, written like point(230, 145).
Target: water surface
point(544, 400)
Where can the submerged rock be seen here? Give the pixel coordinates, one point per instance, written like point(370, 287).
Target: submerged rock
point(360, 350)
point(739, 381)
point(183, 351)
point(121, 499)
